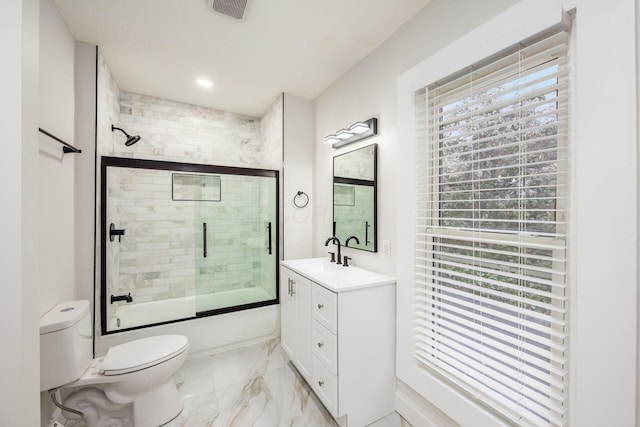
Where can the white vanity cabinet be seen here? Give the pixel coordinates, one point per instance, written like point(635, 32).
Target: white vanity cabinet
point(295, 331)
point(341, 337)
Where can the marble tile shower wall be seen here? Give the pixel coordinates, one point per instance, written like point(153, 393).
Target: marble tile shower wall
point(272, 129)
point(107, 113)
point(108, 100)
point(174, 131)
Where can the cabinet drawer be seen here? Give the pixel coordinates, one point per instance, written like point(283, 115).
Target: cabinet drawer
point(325, 384)
point(324, 305)
point(325, 347)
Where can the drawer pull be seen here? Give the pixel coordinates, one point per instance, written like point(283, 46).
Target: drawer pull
point(320, 383)
point(320, 306)
point(320, 345)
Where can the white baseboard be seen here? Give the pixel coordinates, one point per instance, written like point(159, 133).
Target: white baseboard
point(419, 411)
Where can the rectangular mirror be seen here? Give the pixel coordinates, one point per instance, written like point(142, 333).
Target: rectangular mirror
point(354, 198)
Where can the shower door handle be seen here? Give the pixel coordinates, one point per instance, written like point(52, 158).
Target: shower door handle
point(269, 233)
point(366, 233)
point(204, 239)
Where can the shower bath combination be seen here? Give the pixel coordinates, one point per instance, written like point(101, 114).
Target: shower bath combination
point(200, 240)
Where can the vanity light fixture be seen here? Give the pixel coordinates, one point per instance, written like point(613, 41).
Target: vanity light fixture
point(356, 132)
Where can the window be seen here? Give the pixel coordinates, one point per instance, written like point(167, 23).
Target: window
point(491, 288)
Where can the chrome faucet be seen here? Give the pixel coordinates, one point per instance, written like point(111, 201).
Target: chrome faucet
point(346, 244)
point(337, 242)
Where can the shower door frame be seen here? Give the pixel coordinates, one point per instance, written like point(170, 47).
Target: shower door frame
point(108, 161)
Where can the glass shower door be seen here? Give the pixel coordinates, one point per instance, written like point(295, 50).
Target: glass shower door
point(147, 247)
point(236, 247)
point(181, 241)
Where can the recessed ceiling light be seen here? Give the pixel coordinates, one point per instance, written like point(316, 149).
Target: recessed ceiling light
point(204, 83)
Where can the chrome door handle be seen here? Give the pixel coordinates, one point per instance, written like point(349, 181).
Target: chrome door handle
point(320, 306)
point(320, 345)
point(320, 383)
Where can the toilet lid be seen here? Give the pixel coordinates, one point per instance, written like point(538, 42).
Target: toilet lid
point(143, 353)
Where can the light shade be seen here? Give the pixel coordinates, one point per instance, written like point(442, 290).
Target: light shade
point(344, 134)
point(356, 132)
point(359, 128)
point(330, 139)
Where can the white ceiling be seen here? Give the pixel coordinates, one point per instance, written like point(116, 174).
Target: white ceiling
point(159, 47)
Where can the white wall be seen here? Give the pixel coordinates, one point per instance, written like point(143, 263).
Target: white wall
point(298, 176)
point(370, 90)
point(20, 373)
point(272, 130)
point(57, 170)
point(604, 252)
point(57, 192)
point(605, 259)
point(85, 139)
point(638, 186)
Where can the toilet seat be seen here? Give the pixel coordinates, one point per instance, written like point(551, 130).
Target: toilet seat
point(141, 354)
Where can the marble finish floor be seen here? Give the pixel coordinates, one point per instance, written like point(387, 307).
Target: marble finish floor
point(253, 386)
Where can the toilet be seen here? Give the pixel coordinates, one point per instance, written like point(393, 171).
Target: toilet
point(138, 372)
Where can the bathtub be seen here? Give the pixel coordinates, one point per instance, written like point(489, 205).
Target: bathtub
point(206, 334)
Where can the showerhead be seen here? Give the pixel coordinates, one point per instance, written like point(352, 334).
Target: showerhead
point(131, 139)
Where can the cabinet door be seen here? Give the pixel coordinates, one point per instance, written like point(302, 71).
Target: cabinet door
point(303, 356)
point(287, 314)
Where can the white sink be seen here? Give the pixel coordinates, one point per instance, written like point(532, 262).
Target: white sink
point(319, 265)
point(336, 277)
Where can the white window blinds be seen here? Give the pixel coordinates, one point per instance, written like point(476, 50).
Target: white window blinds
point(491, 288)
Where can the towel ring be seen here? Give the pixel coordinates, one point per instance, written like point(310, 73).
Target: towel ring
point(301, 199)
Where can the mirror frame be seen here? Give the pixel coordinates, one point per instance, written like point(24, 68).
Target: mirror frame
point(353, 181)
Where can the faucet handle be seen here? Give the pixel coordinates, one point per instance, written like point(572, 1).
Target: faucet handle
point(333, 256)
point(345, 261)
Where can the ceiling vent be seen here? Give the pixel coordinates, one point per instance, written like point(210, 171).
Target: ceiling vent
point(232, 8)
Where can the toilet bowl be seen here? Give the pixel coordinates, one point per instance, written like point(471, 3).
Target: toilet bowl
point(138, 372)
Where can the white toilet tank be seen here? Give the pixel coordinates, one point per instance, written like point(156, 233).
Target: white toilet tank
point(66, 343)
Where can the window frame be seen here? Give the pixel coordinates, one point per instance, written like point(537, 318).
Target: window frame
point(489, 39)
point(432, 333)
